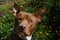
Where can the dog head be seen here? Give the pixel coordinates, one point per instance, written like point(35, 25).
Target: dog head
point(25, 23)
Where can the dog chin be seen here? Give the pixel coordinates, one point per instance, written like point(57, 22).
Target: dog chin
point(23, 34)
point(27, 33)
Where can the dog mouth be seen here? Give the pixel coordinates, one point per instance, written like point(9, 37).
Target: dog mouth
point(25, 32)
point(21, 29)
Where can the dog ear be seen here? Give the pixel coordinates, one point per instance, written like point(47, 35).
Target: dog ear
point(39, 14)
point(16, 9)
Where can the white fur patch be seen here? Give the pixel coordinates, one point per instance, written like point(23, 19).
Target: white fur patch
point(29, 37)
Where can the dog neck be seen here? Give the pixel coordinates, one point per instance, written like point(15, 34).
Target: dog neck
point(26, 37)
point(29, 37)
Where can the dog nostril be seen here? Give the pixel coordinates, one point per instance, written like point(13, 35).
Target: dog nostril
point(24, 27)
point(21, 26)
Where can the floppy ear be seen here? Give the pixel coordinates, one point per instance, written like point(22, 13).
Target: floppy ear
point(39, 14)
point(16, 9)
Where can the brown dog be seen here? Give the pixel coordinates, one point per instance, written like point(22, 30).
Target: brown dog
point(25, 23)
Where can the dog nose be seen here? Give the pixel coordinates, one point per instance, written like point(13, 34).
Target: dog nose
point(23, 27)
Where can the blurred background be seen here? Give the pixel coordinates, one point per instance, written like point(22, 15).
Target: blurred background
point(48, 29)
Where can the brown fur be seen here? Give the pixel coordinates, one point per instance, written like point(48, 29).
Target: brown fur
point(27, 20)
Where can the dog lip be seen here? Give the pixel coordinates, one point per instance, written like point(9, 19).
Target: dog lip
point(26, 34)
point(22, 29)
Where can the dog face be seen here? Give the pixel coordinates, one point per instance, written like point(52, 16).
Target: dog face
point(25, 23)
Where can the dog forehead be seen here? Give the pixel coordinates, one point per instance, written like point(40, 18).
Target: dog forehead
point(25, 13)
point(28, 15)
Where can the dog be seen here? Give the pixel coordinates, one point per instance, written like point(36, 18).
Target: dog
point(25, 23)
